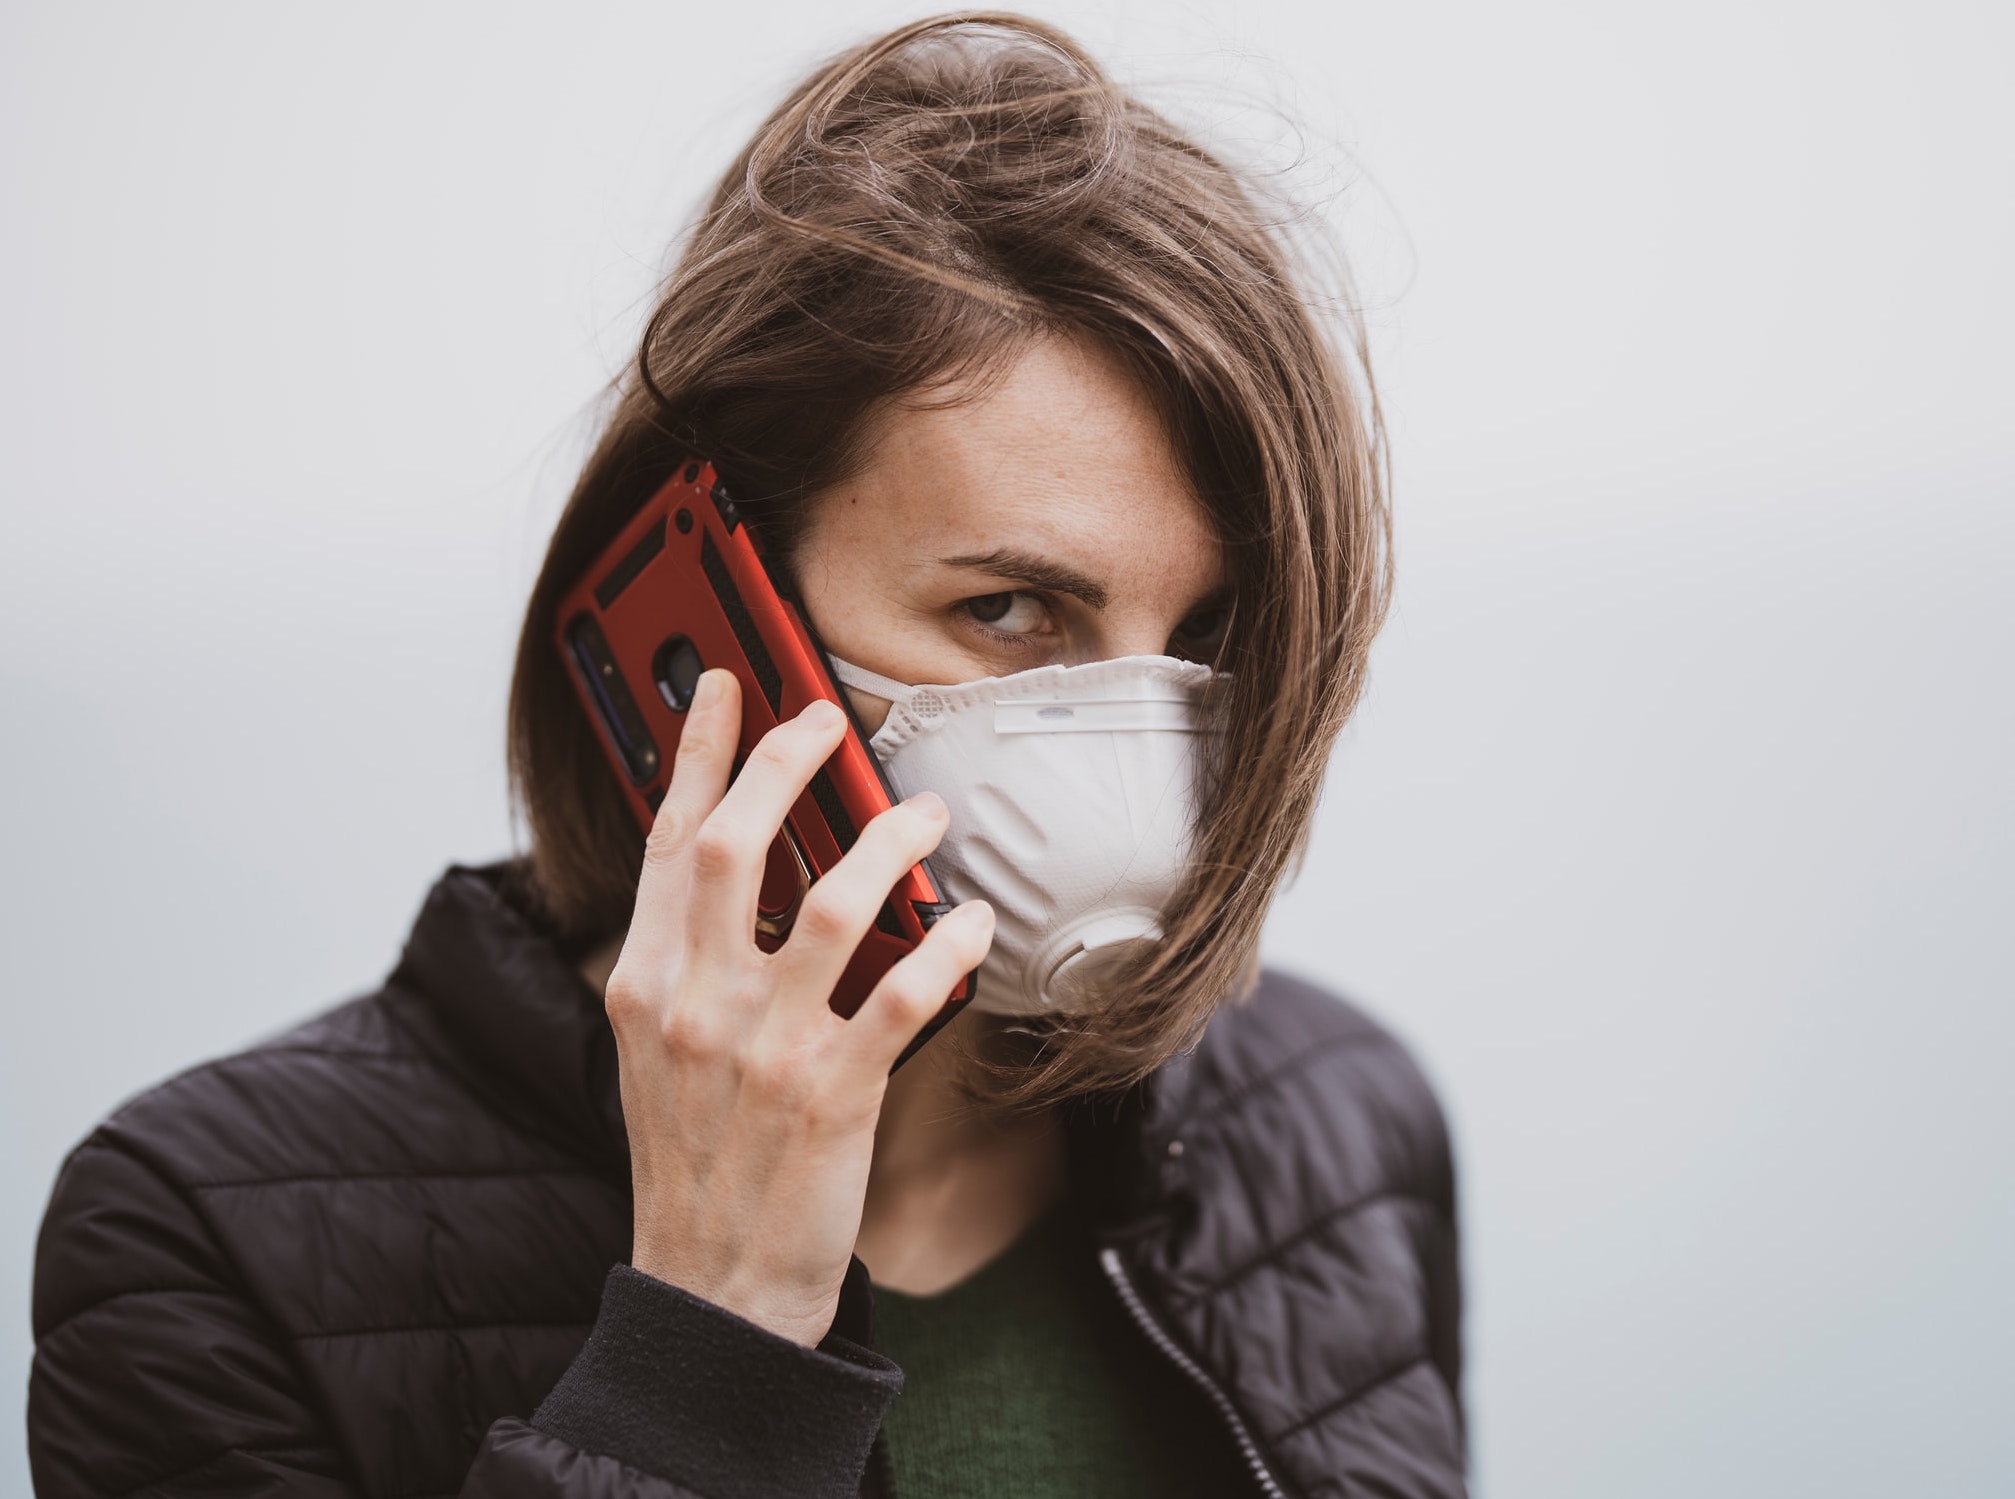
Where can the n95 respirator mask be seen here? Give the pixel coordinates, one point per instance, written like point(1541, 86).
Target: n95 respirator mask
point(1072, 792)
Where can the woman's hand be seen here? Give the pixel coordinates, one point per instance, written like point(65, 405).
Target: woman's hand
point(751, 1105)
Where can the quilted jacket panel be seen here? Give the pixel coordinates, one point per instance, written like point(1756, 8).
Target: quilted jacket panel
point(366, 1257)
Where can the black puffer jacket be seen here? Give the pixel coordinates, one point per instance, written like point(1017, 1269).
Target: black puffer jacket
point(365, 1257)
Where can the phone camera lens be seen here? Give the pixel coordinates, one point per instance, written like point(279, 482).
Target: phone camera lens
point(676, 669)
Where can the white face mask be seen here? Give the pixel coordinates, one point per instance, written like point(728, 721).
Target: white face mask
point(1072, 794)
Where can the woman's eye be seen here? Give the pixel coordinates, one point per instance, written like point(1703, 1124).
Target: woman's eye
point(1008, 613)
point(1201, 636)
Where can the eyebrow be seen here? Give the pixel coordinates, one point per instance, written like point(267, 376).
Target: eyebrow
point(1037, 572)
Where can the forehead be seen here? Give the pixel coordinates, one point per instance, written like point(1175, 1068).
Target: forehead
point(1060, 454)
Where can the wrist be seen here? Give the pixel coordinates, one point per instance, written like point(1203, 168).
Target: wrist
point(804, 1324)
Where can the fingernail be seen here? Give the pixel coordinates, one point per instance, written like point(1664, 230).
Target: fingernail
point(823, 713)
point(980, 910)
point(930, 804)
point(707, 689)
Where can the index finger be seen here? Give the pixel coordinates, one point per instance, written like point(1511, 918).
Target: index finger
point(700, 771)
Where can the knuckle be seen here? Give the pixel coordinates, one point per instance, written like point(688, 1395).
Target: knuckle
point(915, 998)
point(691, 1032)
point(668, 834)
point(774, 754)
point(717, 849)
point(624, 998)
point(833, 1111)
point(697, 744)
point(787, 1079)
point(824, 918)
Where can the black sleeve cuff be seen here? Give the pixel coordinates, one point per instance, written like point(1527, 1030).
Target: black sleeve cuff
point(675, 1385)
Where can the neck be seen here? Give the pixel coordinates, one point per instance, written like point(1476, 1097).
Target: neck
point(931, 1122)
point(952, 1185)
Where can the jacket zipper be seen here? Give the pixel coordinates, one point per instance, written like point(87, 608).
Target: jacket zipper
point(1116, 1272)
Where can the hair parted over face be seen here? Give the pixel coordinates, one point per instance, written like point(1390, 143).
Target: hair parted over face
point(912, 221)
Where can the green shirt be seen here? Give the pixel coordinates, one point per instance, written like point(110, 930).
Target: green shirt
point(1029, 1380)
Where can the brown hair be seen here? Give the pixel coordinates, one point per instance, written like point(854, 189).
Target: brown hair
point(913, 213)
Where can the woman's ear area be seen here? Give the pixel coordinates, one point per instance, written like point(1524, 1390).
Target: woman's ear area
point(826, 600)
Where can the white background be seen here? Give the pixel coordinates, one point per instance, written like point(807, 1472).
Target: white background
point(1675, 833)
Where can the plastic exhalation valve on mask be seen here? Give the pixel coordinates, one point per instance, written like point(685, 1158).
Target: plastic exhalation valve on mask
point(1072, 792)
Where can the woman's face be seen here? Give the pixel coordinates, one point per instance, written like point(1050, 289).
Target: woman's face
point(1045, 522)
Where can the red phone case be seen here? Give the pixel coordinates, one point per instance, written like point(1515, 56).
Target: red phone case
point(685, 569)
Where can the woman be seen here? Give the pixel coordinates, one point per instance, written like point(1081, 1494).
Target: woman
point(593, 1196)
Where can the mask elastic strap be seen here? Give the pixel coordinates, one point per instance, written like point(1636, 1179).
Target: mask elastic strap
point(868, 681)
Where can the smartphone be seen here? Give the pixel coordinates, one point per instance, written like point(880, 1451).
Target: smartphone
point(684, 587)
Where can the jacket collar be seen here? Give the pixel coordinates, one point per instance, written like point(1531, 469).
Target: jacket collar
point(494, 996)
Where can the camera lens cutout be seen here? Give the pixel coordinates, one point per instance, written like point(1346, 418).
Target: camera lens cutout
point(596, 665)
point(676, 669)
